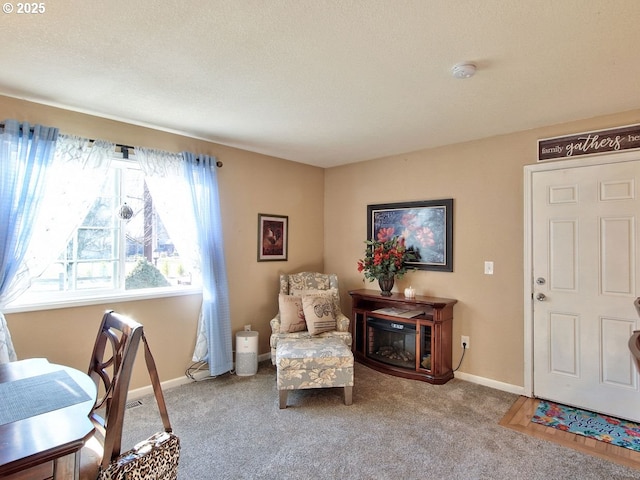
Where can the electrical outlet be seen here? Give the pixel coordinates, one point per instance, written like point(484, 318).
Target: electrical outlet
point(247, 328)
point(464, 339)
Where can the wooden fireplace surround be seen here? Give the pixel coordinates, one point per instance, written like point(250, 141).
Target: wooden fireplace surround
point(437, 319)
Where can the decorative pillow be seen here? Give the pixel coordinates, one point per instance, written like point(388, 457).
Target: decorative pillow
point(329, 293)
point(318, 312)
point(291, 314)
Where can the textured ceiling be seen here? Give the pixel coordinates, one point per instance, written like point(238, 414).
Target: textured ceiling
point(327, 82)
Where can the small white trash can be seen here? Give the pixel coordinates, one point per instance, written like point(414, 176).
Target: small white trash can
point(246, 353)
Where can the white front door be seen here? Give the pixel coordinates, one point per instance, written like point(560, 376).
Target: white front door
point(584, 245)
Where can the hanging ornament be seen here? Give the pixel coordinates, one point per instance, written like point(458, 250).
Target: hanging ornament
point(125, 212)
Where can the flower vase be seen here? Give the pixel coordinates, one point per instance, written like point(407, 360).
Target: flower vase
point(386, 284)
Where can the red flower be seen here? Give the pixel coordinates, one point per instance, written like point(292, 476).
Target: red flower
point(386, 258)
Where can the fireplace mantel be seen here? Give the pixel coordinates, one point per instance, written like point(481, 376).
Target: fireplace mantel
point(424, 339)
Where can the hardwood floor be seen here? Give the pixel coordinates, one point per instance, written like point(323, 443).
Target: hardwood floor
point(518, 418)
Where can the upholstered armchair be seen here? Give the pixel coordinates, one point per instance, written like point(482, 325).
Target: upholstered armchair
point(298, 292)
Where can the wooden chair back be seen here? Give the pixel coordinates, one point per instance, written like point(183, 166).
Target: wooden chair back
point(111, 366)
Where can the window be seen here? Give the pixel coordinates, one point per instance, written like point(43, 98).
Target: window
point(107, 254)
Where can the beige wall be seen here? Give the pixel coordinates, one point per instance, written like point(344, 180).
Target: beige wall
point(66, 336)
point(485, 179)
point(249, 184)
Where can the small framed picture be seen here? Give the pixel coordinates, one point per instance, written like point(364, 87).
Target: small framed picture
point(273, 237)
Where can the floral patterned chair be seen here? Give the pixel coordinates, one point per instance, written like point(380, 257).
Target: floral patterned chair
point(310, 339)
point(297, 285)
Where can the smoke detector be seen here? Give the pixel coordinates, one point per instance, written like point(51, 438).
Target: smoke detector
point(463, 70)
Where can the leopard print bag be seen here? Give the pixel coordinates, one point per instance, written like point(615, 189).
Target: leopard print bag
point(155, 458)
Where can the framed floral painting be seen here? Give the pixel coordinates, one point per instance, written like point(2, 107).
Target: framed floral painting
point(427, 228)
point(273, 237)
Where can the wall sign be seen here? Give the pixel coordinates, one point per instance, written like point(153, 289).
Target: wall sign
point(589, 143)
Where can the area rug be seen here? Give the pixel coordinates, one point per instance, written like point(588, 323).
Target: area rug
point(588, 424)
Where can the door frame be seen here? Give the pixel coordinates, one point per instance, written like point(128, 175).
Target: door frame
point(529, 170)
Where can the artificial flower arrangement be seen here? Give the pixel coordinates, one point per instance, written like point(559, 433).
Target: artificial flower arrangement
point(386, 258)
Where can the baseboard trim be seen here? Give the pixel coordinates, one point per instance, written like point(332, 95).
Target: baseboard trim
point(204, 373)
point(487, 382)
point(138, 393)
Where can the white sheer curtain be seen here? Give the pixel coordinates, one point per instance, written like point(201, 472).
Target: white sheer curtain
point(76, 174)
point(163, 173)
point(184, 190)
point(70, 183)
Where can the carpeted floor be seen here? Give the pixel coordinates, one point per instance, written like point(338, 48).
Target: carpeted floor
point(231, 428)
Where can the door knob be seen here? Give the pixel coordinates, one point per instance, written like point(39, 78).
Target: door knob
point(541, 297)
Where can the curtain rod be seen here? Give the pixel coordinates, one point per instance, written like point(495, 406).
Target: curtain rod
point(124, 148)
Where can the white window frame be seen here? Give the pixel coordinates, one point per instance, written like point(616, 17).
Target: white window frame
point(48, 301)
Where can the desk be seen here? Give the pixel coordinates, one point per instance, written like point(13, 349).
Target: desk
point(49, 439)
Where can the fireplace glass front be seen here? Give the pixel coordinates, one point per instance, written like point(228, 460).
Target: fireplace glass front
point(391, 342)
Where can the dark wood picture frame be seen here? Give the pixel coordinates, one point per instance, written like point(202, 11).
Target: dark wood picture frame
point(273, 237)
point(427, 227)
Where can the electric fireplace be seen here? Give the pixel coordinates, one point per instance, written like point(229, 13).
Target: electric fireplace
point(392, 342)
point(406, 337)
